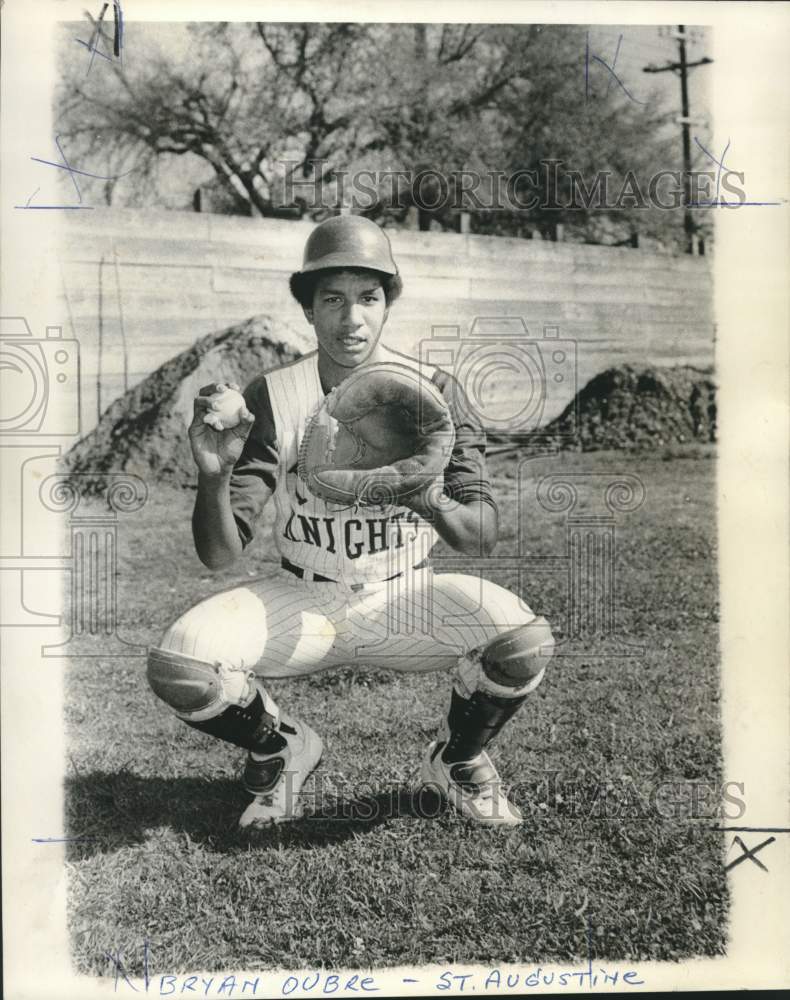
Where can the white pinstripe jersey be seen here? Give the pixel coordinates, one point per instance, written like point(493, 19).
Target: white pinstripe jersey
point(355, 546)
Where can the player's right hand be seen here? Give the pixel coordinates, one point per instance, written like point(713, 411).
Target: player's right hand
point(216, 452)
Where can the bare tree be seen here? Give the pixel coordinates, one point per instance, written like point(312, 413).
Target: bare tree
point(243, 98)
point(259, 102)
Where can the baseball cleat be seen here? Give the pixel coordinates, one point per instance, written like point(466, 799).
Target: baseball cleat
point(276, 779)
point(473, 787)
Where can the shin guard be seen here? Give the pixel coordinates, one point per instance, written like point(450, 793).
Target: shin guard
point(473, 722)
point(217, 699)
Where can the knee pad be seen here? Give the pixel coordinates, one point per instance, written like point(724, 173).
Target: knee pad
point(195, 689)
point(509, 666)
point(217, 699)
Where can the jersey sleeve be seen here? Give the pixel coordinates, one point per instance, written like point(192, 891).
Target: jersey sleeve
point(466, 476)
point(254, 475)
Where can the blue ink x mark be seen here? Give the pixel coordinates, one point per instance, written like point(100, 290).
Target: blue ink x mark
point(609, 68)
point(732, 204)
point(72, 171)
point(719, 163)
point(119, 970)
point(118, 33)
point(614, 63)
point(723, 166)
point(82, 173)
point(79, 208)
point(90, 48)
point(587, 69)
point(58, 840)
point(117, 12)
point(627, 91)
point(749, 853)
point(145, 963)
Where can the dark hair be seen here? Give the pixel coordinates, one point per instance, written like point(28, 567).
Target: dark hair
point(303, 283)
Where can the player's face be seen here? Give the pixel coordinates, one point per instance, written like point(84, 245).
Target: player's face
point(349, 311)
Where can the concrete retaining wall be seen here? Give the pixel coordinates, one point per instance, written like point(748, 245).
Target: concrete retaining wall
point(138, 288)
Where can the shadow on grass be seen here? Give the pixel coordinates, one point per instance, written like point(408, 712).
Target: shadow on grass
point(106, 811)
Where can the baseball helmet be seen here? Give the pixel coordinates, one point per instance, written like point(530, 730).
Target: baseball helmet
point(348, 241)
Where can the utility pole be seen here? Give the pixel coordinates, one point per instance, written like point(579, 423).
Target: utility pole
point(688, 221)
point(682, 66)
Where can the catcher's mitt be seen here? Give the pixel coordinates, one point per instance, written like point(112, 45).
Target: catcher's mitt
point(380, 436)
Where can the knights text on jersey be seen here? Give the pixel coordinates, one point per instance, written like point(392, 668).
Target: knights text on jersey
point(355, 546)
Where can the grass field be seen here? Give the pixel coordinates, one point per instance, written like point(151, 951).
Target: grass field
point(378, 883)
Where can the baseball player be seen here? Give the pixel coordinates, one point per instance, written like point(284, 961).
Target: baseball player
point(355, 585)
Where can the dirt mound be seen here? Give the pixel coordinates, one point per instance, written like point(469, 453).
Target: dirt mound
point(633, 408)
point(145, 431)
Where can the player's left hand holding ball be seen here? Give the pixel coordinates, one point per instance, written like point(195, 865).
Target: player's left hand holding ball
point(220, 425)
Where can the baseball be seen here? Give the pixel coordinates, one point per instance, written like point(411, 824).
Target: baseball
point(227, 407)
